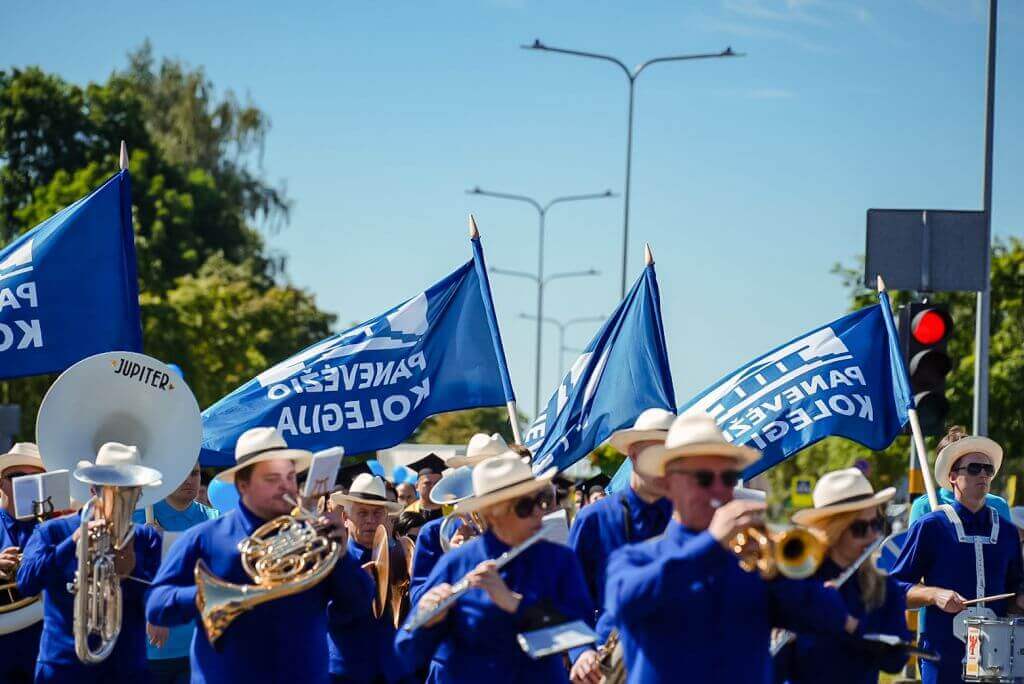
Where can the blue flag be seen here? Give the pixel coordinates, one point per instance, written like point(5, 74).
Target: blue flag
point(370, 387)
point(68, 287)
point(846, 378)
point(622, 372)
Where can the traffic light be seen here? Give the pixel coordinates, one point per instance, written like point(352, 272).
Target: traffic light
point(925, 330)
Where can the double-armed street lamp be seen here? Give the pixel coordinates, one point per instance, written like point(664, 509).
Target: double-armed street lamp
point(562, 325)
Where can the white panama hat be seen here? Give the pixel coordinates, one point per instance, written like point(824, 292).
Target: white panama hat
point(369, 490)
point(481, 446)
point(842, 491)
point(952, 452)
point(117, 465)
point(260, 444)
point(501, 478)
point(651, 425)
point(692, 435)
point(21, 454)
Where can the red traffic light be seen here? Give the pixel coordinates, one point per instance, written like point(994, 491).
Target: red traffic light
point(928, 327)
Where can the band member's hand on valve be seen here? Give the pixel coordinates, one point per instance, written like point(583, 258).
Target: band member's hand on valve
point(9, 561)
point(587, 669)
point(486, 577)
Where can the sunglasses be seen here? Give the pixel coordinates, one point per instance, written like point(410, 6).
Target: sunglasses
point(11, 476)
point(860, 528)
point(524, 507)
point(706, 478)
point(976, 469)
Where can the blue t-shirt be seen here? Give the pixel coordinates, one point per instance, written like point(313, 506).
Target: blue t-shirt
point(921, 507)
point(179, 640)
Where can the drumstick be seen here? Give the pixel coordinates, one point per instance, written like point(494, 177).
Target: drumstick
point(996, 597)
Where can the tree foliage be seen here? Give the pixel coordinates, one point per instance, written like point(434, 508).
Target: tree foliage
point(456, 427)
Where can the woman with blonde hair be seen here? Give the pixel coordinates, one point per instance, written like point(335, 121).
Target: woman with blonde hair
point(848, 515)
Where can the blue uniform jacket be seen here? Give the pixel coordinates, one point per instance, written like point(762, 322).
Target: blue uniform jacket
point(428, 552)
point(476, 642)
point(362, 648)
point(18, 650)
point(933, 555)
point(687, 612)
point(600, 528)
point(278, 641)
point(846, 660)
point(49, 564)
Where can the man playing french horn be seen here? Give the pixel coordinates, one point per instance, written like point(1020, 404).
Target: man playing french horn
point(49, 565)
point(279, 634)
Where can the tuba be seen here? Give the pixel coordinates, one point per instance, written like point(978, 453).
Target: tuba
point(456, 486)
point(131, 399)
point(284, 556)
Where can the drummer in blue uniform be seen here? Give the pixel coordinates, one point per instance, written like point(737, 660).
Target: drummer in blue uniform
point(50, 562)
point(848, 514)
point(18, 650)
point(284, 640)
point(633, 515)
point(361, 645)
point(961, 551)
point(684, 608)
point(475, 639)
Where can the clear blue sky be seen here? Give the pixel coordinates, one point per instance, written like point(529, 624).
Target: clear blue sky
point(751, 176)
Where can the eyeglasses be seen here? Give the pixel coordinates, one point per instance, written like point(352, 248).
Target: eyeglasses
point(524, 507)
point(976, 469)
point(706, 478)
point(860, 528)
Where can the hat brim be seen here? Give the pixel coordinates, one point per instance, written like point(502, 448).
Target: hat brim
point(809, 516)
point(392, 506)
point(477, 503)
point(301, 457)
point(968, 445)
point(623, 439)
point(11, 460)
point(652, 460)
point(476, 459)
point(123, 475)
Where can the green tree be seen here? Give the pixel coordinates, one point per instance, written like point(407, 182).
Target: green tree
point(456, 427)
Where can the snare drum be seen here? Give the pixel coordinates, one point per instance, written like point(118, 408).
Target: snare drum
point(994, 650)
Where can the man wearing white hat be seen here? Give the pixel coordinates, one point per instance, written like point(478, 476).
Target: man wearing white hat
point(284, 640)
point(633, 515)
point(961, 551)
point(475, 639)
point(18, 650)
point(684, 608)
point(50, 562)
point(361, 646)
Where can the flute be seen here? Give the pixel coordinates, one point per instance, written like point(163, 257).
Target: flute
point(421, 617)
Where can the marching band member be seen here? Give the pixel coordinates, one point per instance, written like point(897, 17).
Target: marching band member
point(428, 473)
point(18, 650)
point(963, 550)
point(684, 608)
point(169, 646)
point(50, 562)
point(848, 513)
point(475, 639)
point(361, 646)
point(278, 641)
point(626, 517)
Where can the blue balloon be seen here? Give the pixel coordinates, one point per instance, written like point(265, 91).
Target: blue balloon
point(403, 475)
point(375, 467)
point(223, 496)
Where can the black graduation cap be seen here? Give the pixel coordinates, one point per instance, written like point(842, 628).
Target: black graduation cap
point(349, 472)
point(431, 462)
point(599, 481)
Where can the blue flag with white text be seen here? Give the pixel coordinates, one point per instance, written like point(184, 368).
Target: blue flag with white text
point(370, 387)
point(68, 287)
point(621, 373)
point(845, 379)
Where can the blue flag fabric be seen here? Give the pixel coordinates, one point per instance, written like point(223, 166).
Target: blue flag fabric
point(845, 378)
point(68, 287)
point(622, 372)
point(370, 387)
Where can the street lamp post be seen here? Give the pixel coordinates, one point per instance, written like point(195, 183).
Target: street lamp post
point(542, 210)
point(562, 325)
point(631, 75)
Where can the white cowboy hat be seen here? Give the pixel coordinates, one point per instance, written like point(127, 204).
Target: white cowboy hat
point(117, 465)
point(651, 425)
point(259, 444)
point(842, 491)
point(455, 485)
point(501, 478)
point(370, 490)
point(21, 454)
point(963, 446)
point(480, 446)
point(692, 435)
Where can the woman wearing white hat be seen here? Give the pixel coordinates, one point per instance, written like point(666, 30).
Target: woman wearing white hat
point(961, 551)
point(475, 640)
point(635, 514)
point(848, 513)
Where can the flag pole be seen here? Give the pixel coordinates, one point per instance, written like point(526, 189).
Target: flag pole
point(648, 254)
point(510, 404)
point(123, 161)
point(918, 437)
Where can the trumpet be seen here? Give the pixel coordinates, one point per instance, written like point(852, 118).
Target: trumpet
point(795, 553)
point(284, 556)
